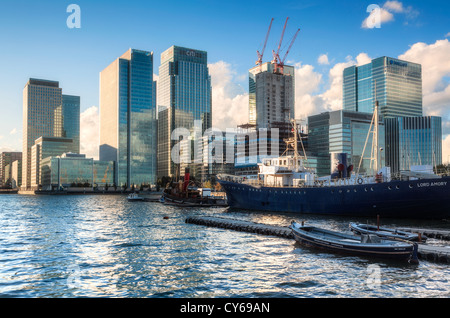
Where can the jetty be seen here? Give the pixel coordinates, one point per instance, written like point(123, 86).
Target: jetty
point(437, 254)
point(437, 234)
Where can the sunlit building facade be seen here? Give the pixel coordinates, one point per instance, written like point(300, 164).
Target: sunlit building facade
point(413, 141)
point(184, 96)
point(398, 86)
point(75, 170)
point(46, 113)
point(128, 124)
point(271, 95)
point(7, 158)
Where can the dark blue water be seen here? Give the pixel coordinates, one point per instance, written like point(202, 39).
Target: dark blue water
point(104, 246)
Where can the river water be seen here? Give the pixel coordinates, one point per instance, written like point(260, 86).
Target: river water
point(105, 246)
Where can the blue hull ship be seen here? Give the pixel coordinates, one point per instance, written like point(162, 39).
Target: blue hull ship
point(287, 184)
point(418, 199)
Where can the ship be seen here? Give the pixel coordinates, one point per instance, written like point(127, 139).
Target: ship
point(286, 184)
point(185, 193)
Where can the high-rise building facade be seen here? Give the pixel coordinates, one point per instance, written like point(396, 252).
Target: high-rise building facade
point(271, 95)
point(45, 115)
point(184, 97)
point(71, 120)
point(7, 158)
point(343, 132)
point(398, 87)
point(128, 125)
point(413, 141)
point(45, 147)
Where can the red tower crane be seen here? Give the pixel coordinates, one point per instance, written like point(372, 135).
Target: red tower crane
point(277, 61)
point(281, 64)
point(276, 56)
point(260, 55)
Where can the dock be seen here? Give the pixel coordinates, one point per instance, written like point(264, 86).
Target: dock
point(437, 234)
point(431, 253)
point(242, 226)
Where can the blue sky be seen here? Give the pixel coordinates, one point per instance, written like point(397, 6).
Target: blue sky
point(36, 42)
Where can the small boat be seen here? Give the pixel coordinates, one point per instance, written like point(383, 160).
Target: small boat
point(364, 245)
point(134, 197)
point(386, 232)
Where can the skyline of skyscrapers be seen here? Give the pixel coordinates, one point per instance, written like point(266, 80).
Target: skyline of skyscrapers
point(137, 116)
point(128, 124)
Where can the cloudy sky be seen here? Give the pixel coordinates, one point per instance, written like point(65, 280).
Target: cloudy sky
point(37, 42)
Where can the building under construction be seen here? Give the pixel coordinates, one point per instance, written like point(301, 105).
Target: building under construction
point(271, 88)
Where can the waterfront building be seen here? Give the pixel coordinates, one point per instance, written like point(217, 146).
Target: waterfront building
point(46, 115)
point(7, 158)
point(343, 132)
point(398, 87)
point(184, 96)
point(75, 170)
point(128, 118)
point(16, 174)
point(413, 141)
point(210, 155)
point(271, 95)
point(45, 147)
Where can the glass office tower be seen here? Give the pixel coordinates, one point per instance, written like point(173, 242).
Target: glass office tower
point(413, 141)
point(46, 113)
point(343, 132)
point(184, 96)
point(71, 120)
point(128, 126)
point(398, 87)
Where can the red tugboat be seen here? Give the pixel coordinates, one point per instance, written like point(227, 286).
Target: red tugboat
point(186, 193)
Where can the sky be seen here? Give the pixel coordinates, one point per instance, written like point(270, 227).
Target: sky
point(36, 42)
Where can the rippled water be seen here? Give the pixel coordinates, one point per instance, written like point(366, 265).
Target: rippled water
point(104, 246)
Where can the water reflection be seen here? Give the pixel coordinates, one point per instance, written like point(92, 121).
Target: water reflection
point(105, 246)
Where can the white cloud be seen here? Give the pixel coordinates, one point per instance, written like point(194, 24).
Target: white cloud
point(363, 58)
point(447, 35)
point(376, 18)
point(435, 61)
point(394, 6)
point(313, 95)
point(13, 131)
point(381, 15)
point(323, 59)
point(446, 149)
point(90, 132)
point(229, 100)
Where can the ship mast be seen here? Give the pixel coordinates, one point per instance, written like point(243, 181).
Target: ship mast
point(373, 129)
point(375, 135)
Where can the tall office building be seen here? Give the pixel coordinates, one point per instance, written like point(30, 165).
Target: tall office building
point(44, 115)
point(184, 96)
point(7, 158)
point(128, 124)
point(398, 87)
point(71, 120)
point(412, 141)
point(343, 132)
point(271, 95)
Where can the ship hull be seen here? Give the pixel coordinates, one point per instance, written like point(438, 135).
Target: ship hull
point(418, 199)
